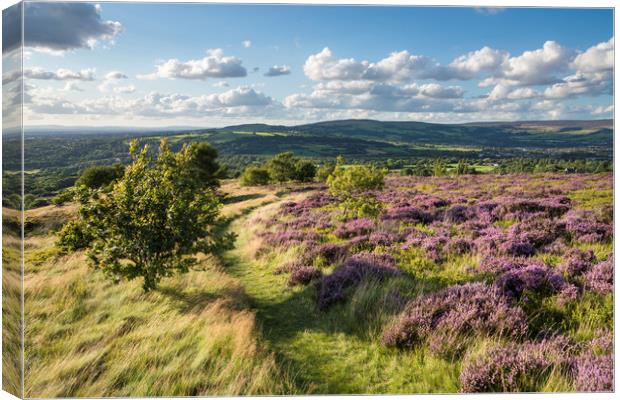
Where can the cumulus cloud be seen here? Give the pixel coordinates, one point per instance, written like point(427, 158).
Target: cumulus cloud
point(238, 101)
point(534, 67)
point(58, 27)
point(112, 75)
point(598, 58)
point(247, 44)
point(214, 65)
point(41, 74)
point(278, 70)
point(124, 89)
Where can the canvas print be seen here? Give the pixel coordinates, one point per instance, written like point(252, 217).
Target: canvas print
point(231, 199)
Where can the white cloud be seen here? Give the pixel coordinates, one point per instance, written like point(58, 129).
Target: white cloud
point(323, 66)
point(278, 70)
point(471, 64)
point(603, 110)
point(534, 67)
point(214, 65)
point(124, 89)
point(598, 58)
point(221, 84)
point(247, 44)
point(59, 75)
point(115, 75)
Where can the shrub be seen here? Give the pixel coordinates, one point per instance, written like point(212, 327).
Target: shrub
point(304, 171)
point(324, 171)
point(346, 182)
point(331, 289)
point(516, 367)
point(354, 227)
point(282, 167)
point(99, 176)
point(445, 317)
point(304, 275)
point(254, 176)
point(600, 278)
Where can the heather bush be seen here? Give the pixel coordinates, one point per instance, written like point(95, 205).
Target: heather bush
point(457, 311)
point(600, 278)
point(354, 227)
point(576, 262)
point(516, 367)
point(304, 275)
point(595, 373)
point(332, 288)
point(533, 279)
point(583, 227)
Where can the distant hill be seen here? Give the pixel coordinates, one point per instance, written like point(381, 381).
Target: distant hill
point(521, 134)
point(60, 147)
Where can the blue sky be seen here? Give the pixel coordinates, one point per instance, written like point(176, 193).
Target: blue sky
point(205, 65)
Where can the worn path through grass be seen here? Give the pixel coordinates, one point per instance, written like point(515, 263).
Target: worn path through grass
point(328, 352)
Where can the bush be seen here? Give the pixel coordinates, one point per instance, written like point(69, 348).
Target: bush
point(304, 171)
point(324, 171)
point(204, 165)
point(282, 167)
point(445, 318)
point(255, 176)
point(99, 176)
point(347, 182)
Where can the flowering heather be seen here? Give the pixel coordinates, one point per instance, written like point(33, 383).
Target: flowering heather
point(600, 278)
point(383, 238)
point(455, 311)
point(458, 214)
point(409, 214)
point(576, 262)
point(304, 275)
point(330, 253)
point(354, 227)
point(516, 367)
point(595, 373)
point(532, 278)
point(331, 288)
point(505, 264)
point(290, 238)
point(583, 227)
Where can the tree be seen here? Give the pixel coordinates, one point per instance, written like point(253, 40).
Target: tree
point(152, 221)
point(204, 165)
point(254, 176)
point(282, 167)
point(347, 182)
point(304, 171)
point(99, 176)
point(324, 171)
point(351, 185)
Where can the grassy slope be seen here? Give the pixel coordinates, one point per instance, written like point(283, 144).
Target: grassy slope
point(232, 327)
point(87, 336)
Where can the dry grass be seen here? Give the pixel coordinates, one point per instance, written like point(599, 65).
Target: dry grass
point(89, 337)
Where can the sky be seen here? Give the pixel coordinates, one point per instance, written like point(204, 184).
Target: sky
point(124, 64)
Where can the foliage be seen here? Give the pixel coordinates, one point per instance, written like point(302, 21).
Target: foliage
point(282, 167)
point(152, 222)
point(305, 171)
point(204, 164)
point(346, 182)
point(254, 176)
point(99, 176)
point(324, 171)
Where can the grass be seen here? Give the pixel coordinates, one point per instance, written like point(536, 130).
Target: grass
point(233, 327)
point(89, 337)
point(336, 351)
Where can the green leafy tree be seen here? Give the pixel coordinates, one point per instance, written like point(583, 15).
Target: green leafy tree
point(305, 171)
point(282, 167)
point(351, 185)
point(255, 176)
point(99, 176)
point(439, 168)
point(204, 164)
point(347, 182)
point(152, 221)
point(324, 171)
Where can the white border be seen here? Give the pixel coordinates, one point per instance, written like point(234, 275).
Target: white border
point(463, 3)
